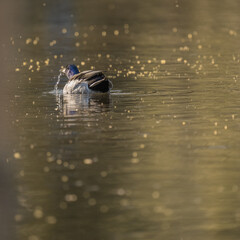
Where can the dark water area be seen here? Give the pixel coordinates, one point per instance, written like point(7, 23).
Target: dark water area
point(157, 158)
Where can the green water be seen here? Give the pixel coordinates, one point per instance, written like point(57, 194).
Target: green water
point(157, 158)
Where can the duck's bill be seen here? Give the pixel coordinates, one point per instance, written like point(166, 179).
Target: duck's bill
point(63, 70)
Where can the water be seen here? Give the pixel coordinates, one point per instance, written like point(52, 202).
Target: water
point(157, 158)
point(57, 83)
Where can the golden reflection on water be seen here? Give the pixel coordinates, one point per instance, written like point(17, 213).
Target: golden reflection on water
point(158, 158)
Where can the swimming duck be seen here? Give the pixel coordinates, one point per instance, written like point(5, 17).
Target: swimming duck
point(85, 82)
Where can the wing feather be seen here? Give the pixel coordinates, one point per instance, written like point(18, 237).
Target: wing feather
point(96, 80)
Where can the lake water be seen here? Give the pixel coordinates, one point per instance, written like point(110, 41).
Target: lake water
point(157, 158)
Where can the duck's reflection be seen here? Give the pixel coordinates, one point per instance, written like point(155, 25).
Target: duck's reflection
point(83, 105)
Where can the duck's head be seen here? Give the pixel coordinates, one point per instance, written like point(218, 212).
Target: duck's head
point(70, 70)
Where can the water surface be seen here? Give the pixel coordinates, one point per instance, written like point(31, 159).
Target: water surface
point(157, 158)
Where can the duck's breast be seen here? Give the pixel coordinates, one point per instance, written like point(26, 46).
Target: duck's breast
point(76, 86)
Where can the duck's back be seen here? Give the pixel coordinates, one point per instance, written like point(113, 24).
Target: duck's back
point(89, 80)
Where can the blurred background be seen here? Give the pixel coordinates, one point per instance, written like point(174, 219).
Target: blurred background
point(157, 158)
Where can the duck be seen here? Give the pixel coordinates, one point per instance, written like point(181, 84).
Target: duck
point(89, 81)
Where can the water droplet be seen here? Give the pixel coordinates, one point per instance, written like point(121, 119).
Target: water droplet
point(116, 32)
point(33, 237)
point(64, 178)
point(58, 81)
point(18, 217)
point(92, 202)
point(104, 208)
point(155, 194)
point(64, 30)
point(88, 161)
point(71, 197)
point(17, 155)
point(38, 213)
point(51, 219)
